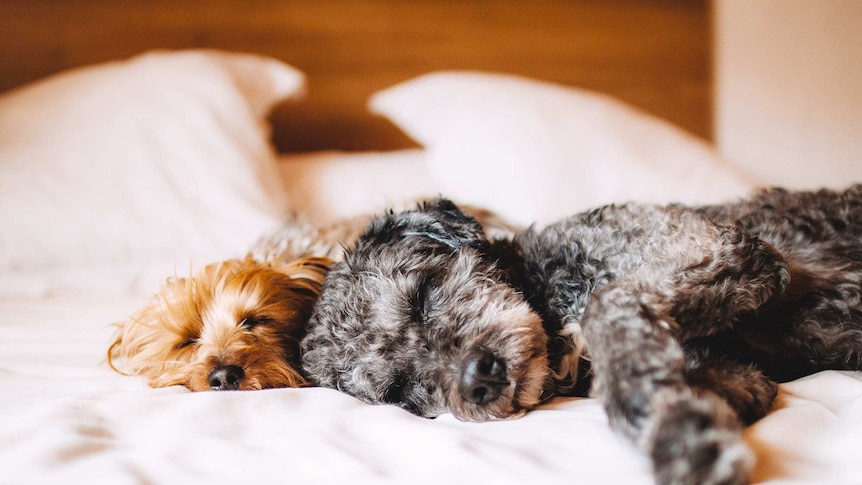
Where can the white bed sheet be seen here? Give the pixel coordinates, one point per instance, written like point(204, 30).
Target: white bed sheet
point(66, 418)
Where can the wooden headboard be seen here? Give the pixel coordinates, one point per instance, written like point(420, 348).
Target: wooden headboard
point(654, 54)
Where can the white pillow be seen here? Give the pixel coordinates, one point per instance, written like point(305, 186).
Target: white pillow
point(535, 151)
point(328, 186)
point(165, 156)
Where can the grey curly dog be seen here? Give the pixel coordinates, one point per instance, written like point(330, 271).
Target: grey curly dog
point(679, 319)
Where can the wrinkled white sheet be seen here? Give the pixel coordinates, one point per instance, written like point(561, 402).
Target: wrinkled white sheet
point(66, 418)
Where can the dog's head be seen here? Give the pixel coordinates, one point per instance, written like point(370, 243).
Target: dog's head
point(419, 316)
point(234, 325)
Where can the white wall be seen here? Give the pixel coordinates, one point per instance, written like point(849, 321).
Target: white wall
point(789, 89)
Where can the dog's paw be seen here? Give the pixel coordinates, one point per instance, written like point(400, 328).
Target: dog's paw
point(698, 441)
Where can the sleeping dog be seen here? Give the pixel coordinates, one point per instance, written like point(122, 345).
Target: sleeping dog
point(679, 319)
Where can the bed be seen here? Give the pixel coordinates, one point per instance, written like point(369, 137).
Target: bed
point(115, 175)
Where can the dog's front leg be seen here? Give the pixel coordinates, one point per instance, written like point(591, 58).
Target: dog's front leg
point(639, 375)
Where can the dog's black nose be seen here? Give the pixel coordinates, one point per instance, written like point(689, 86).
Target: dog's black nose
point(225, 378)
point(483, 377)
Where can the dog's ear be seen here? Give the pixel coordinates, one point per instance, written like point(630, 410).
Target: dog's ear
point(306, 275)
point(438, 220)
point(310, 268)
point(450, 225)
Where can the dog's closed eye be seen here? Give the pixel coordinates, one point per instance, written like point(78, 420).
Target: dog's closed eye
point(187, 342)
point(421, 299)
point(250, 322)
point(417, 305)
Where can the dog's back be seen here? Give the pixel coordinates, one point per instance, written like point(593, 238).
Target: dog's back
point(816, 322)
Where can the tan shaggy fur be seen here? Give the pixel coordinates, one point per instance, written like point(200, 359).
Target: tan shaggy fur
point(242, 312)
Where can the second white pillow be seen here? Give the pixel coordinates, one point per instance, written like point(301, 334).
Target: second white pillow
point(536, 151)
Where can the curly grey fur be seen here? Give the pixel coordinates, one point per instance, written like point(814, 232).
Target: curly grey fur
point(679, 319)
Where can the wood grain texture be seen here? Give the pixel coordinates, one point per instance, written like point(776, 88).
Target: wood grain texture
point(653, 54)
